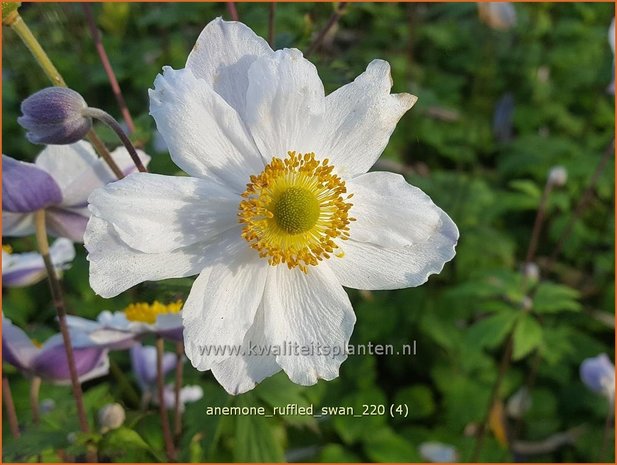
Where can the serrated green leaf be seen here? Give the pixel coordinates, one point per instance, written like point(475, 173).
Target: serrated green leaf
point(527, 336)
point(255, 437)
point(553, 298)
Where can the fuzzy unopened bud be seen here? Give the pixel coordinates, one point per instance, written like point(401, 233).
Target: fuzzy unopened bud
point(111, 416)
point(55, 116)
point(558, 176)
point(532, 272)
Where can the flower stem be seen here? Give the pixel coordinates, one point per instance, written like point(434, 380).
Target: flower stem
point(580, 207)
point(25, 34)
point(160, 386)
point(271, 13)
point(58, 300)
point(607, 434)
point(233, 11)
point(177, 388)
point(503, 368)
point(10, 407)
point(16, 22)
point(113, 81)
point(538, 223)
point(109, 120)
point(35, 388)
point(338, 13)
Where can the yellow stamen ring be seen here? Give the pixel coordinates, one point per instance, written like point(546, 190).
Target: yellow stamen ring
point(148, 313)
point(293, 211)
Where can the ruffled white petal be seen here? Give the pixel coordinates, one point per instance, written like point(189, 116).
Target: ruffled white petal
point(390, 212)
point(222, 56)
point(115, 267)
point(312, 312)
point(17, 224)
point(222, 303)
point(78, 170)
point(284, 103)
point(359, 119)
point(205, 135)
point(373, 265)
point(241, 372)
point(154, 213)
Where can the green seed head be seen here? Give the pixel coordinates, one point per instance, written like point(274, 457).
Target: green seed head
point(296, 210)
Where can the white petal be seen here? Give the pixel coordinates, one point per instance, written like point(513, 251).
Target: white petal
point(370, 266)
point(241, 372)
point(78, 170)
point(154, 213)
point(115, 267)
point(62, 252)
point(222, 56)
point(17, 224)
point(284, 103)
point(222, 304)
point(359, 119)
point(390, 212)
point(205, 135)
point(309, 311)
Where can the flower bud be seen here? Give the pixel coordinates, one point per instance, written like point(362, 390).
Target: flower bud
point(532, 272)
point(558, 176)
point(111, 416)
point(519, 403)
point(54, 116)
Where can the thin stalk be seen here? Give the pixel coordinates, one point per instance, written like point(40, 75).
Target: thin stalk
point(271, 13)
point(17, 24)
point(99, 146)
point(35, 389)
point(113, 81)
point(109, 120)
point(10, 407)
point(233, 11)
point(160, 385)
point(336, 16)
point(606, 434)
point(585, 198)
point(124, 385)
point(58, 300)
point(25, 34)
point(503, 368)
point(177, 388)
point(538, 223)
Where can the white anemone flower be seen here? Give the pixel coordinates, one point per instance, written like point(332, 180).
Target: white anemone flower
point(278, 212)
point(120, 329)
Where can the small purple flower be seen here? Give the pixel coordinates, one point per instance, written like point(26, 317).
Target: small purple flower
point(438, 452)
point(25, 269)
point(60, 181)
point(49, 361)
point(54, 116)
point(143, 361)
point(598, 374)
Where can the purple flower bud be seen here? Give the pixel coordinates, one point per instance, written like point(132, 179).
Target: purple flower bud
point(26, 187)
point(598, 373)
point(54, 116)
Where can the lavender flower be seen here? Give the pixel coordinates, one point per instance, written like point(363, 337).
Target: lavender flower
point(49, 361)
point(598, 374)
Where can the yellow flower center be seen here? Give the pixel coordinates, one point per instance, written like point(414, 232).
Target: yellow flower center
point(294, 209)
point(148, 313)
point(7, 248)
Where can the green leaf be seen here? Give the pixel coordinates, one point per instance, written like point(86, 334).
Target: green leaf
point(553, 298)
point(279, 391)
point(491, 331)
point(527, 336)
point(384, 445)
point(124, 444)
point(419, 400)
point(255, 439)
point(352, 429)
point(335, 453)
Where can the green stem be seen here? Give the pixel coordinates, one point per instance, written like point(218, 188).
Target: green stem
point(11, 414)
point(35, 389)
point(160, 386)
point(58, 300)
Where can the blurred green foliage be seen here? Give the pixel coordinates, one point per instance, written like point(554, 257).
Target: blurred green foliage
point(553, 67)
